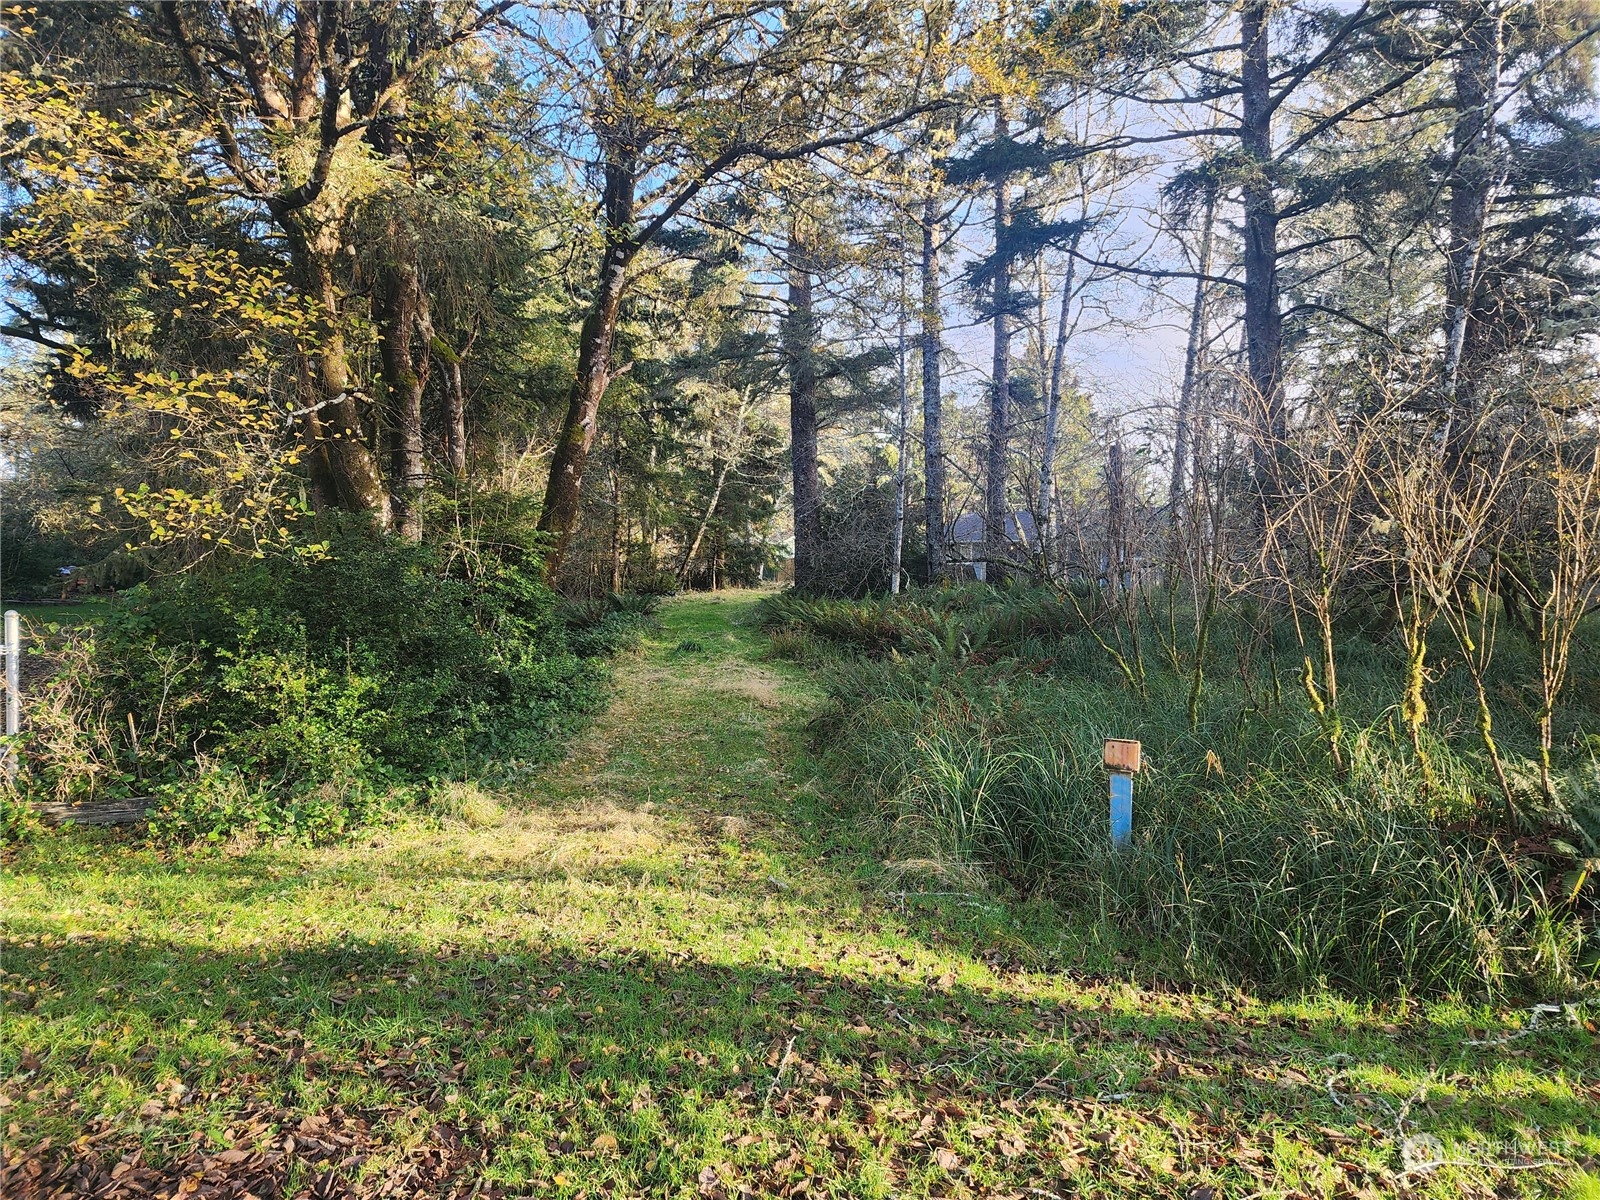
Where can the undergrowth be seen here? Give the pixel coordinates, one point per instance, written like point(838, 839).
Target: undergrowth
point(301, 698)
point(976, 717)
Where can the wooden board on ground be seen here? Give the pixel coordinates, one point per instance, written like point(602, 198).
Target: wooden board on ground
point(107, 812)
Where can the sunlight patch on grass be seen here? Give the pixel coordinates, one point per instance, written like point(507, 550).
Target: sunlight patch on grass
point(676, 952)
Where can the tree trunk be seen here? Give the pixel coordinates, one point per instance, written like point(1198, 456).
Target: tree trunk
point(399, 304)
point(616, 528)
point(705, 523)
point(559, 516)
point(902, 445)
point(1413, 700)
point(402, 313)
point(932, 400)
point(1117, 565)
point(1263, 319)
point(1052, 410)
point(455, 403)
point(1182, 435)
point(1472, 186)
point(455, 436)
point(344, 469)
point(995, 463)
point(799, 349)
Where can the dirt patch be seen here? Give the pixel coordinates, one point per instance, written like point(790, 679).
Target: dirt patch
point(755, 685)
point(577, 841)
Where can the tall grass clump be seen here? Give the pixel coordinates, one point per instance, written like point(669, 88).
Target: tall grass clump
point(1256, 858)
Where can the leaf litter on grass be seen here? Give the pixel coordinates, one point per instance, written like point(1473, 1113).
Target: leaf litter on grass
point(603, 994)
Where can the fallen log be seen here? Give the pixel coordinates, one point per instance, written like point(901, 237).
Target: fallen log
point(96, 812)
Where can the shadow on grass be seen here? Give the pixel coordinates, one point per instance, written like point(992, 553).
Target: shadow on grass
point(357, 1067)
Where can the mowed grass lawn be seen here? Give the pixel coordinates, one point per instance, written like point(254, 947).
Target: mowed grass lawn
point(675, 966)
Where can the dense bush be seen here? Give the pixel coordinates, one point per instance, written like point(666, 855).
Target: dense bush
point(294, 696)
point(1255, 857)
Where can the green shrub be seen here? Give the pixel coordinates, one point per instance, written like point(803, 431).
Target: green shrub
point(870, 628)
point(18, 820)
point(286, 697)
point(31, 557)
point(584, 612)
point(218, 801)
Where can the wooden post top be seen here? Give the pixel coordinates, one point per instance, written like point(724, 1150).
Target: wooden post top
point(1122, 755)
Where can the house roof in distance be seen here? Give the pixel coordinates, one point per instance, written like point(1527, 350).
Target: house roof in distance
point(1020, 528)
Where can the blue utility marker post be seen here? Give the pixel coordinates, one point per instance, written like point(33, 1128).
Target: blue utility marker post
point(1122, 759)
point(1121, 809)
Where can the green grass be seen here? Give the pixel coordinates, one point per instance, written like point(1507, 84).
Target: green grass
point(44, 612)
point(675, 966)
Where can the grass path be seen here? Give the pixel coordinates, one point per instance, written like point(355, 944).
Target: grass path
point(673, 965)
